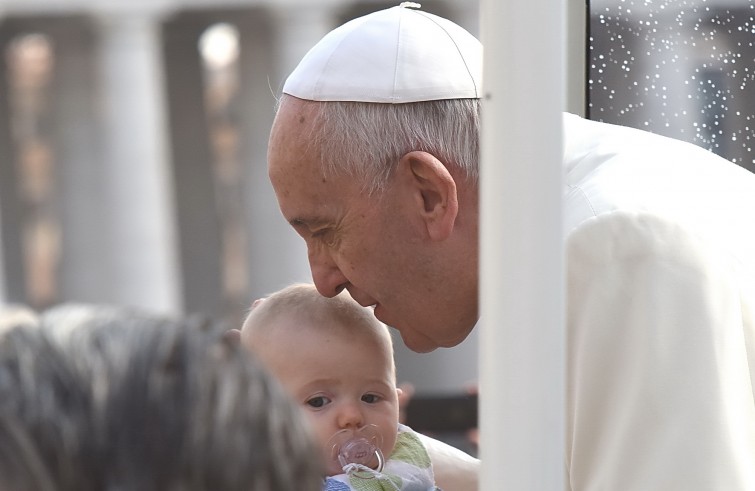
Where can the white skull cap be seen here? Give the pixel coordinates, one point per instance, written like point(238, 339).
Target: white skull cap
point(395, 55)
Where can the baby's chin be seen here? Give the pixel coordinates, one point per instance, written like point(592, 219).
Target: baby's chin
point(333, 469)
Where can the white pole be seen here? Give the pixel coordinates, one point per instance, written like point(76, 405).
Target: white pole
point(522, 339)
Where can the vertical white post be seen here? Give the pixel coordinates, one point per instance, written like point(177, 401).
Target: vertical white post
point(3, 294)
point(522, 356)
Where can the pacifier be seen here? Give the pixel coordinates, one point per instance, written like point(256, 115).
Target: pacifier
point(359, 446)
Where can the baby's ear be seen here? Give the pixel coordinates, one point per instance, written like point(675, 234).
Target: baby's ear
point(232, 335)
point(405, 391)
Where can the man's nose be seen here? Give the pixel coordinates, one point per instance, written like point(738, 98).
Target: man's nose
point(326, 274)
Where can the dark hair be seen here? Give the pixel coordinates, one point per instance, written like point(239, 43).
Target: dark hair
point(105, 399)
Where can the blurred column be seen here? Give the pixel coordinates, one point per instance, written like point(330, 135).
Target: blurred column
point(199, 231)
point(141, 240)
point(12, 281)
point(85, 271)
point(271, 46)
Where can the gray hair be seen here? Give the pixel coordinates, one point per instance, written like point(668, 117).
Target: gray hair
point(366, 140)
point(12, 315)
point(124, 401)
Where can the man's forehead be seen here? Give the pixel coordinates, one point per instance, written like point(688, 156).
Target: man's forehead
point(306, 207)
point(294, 115)
point(292, 142)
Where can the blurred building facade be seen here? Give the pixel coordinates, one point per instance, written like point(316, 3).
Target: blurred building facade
point(133, 141)
point(133, 136)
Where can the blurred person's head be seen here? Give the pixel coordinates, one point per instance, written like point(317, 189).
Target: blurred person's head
point(96, 398)
point(336, 360)
point(13, 315)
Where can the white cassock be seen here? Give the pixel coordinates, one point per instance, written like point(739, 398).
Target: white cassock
point(660, 240)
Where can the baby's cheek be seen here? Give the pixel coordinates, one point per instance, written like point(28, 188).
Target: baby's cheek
point(320, 427)
point(389, 441)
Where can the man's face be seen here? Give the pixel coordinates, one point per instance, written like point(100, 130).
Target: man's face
point(373, 246)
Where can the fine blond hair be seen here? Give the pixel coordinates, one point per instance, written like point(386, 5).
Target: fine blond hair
point(302, 301)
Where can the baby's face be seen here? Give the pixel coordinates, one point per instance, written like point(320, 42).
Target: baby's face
point(341, 380)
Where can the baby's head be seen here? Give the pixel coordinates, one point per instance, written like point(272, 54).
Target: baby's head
point(334, 357)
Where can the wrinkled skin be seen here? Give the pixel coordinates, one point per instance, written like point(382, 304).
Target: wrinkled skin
point(410, 251)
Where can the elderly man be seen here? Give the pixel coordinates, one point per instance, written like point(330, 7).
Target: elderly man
point(373, 156)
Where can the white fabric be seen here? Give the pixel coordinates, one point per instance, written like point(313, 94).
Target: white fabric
point(395, 55)
point(661, 297)
point(454, 470)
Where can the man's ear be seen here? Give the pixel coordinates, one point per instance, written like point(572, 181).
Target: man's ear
point(433, 191)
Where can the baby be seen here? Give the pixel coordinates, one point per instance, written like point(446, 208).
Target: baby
point(336, 360)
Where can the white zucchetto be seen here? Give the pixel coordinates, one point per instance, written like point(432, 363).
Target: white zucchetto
point(395, 55)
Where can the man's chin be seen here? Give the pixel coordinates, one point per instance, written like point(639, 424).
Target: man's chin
point(413, 341)
point(422, 345)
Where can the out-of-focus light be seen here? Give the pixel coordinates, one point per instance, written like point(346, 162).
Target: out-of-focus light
point(219, 45)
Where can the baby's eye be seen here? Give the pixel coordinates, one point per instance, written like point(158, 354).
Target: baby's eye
point(317, 402)
point(370, 398)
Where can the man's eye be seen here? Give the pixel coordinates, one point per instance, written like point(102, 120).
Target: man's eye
point(370, 398)
point(322, 234)
point(317, 402)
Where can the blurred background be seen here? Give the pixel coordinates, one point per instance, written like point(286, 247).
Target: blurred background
point(133, 137)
